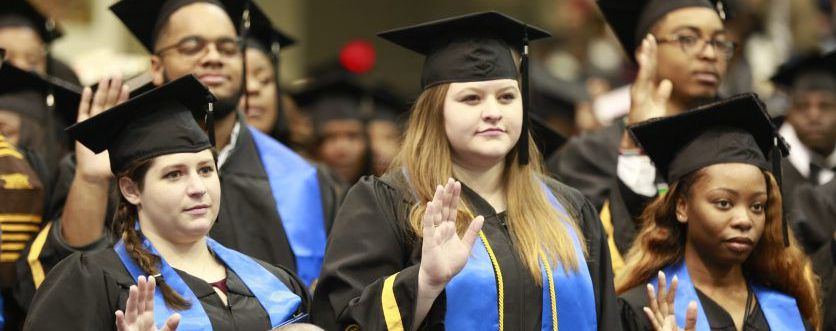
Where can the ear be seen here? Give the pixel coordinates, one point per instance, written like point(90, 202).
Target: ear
point(129, 190)
point(157, 70)
point(681, 210)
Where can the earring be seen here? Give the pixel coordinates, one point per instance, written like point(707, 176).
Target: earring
point(681, 219)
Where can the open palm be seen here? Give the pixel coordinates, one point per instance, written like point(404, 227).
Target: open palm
point(139, 310)
point(444, 254)
point(661, 311)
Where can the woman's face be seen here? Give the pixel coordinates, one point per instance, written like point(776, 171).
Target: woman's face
point(180, 197)
point(725, 211)
point(262, 107)
point(344, 147)
point(482, 120)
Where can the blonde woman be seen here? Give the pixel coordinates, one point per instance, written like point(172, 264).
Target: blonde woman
point(464, 232)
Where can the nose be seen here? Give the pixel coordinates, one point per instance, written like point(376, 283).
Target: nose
point(253, 86)
point(196, 187)
point(709, 51)
point(212, 57)
point(492, 111)
point(742, 220)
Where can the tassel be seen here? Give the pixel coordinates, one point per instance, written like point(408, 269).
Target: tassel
point(522, 144)
point(245, 31)
point(210, 121)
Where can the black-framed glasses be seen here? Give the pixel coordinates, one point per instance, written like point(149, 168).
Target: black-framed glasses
point(693, 45)
point(197, 45)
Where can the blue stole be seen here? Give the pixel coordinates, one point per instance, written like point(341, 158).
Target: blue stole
point(277, 300)
point(472, 300)
point(295, 188)
point(780, 310)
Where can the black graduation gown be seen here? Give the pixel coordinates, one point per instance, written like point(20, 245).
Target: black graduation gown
point(634, 319)
point(374, 242)
point(247, 221)
point(84, 291)
point(588, 162)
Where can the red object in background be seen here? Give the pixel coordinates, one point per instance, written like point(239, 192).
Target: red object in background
point(358, 56)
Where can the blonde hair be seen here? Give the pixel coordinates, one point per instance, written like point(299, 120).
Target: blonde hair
point(536, 228)
point(661, 242)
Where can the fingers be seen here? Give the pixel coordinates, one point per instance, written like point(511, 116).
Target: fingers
point(149, 294)
point(454, 204)
point(647, 62)
point(473, 231)
point(669, 299)
point(141, 299)
point(691, 316)
point(121, 325)
point(661, 296)
point(652, 318)
point(171, 323)
point(446, 199)
point(99, 96)
point(130, 306)
point(654, 304)
point(663, 92)
point(123, 94)
point(84, 105)
point(113, 91)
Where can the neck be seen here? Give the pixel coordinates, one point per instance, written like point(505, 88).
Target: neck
point(486, 181)
point(707, 275)
point(223, 130)
point(179, 255)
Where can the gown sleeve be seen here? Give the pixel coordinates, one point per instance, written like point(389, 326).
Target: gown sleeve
point(78, 295)
point(367, 280)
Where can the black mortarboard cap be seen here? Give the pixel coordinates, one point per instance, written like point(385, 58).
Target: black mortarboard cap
point(264, 35)
point(145, 18)
point(470, 48)
point(27, 93)
point(22, 13)
point(792, 72)
point(734, 130)
point(158, 122)
point(631, 20)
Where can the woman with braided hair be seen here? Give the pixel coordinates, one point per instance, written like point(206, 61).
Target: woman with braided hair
point(166, 172)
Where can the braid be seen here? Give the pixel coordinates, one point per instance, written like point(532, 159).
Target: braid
point(124, 223)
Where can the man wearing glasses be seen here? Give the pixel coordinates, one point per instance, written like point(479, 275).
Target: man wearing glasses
point(275, 207)
point(682, 50)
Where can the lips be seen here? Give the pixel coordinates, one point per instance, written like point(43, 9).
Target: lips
point(255, 111)
point(197, 209)
point(706, 77)
point(739, 244)
point(213, 79)
point(490, 132)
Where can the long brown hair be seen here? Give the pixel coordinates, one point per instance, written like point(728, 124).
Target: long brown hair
point(661, 242)
point(536, 227)
point(124, 225)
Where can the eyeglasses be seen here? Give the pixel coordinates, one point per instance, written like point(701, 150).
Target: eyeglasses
point(198, 46)
point(693, 45)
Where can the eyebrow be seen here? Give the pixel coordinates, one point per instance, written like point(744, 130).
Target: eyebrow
point(697, 30)
point(735, 193)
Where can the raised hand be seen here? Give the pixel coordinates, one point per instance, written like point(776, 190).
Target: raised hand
point(139, 310)
point(648, 99)
point(661, 311)
point(111, 92)
point(443, 253)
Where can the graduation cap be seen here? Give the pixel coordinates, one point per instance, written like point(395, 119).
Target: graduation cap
point(338, 96)
point(811, 71)
point(29, 93)
point(734, 130)
point(158, 122)
point(22, 13)
point(145, 18)
point(631, 20)
point(470, 48)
